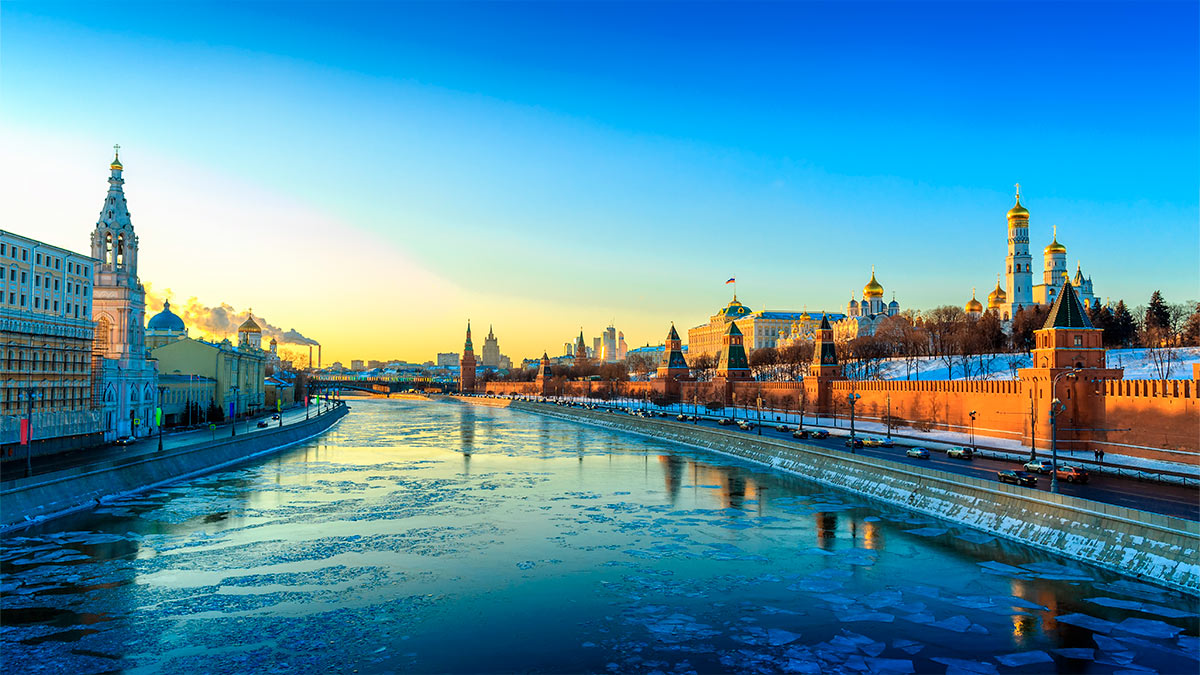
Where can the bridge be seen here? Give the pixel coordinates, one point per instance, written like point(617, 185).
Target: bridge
point(383, 384)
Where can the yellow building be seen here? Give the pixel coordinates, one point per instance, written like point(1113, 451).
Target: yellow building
point(237, 371)
point(764, 328)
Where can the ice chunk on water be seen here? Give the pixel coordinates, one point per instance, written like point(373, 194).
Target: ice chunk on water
point(890, 666)
point(777, 637)
point(1078, 653)
point(860, 614)
point(928, 531)
point(1000, 568)
point(1148, 628)
point(816, 585)
point(966, 666)
point(1088, 622)
point(907, 646)
point(1024, 658)
point(957, 623)
point(976, 537)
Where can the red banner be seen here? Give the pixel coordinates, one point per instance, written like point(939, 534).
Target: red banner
point(26, 431)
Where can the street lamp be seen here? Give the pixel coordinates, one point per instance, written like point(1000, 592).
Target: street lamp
point(760, 416)
point(233, 422)
point(853, 398)
point(159, 417)
point(30, 395)
point(972, 414)
point(1056, 407)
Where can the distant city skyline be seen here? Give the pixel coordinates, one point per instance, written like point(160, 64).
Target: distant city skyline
point(374, 175)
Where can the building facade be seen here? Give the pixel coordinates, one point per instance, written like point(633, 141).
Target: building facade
point(46, 337)
point(128, 376)
point(759, 329)
point(238, 372)
point(863, 318)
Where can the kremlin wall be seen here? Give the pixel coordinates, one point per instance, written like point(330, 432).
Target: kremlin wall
point(1149, 419)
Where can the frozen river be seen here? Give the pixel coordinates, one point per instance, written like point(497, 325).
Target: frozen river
point(440, 537)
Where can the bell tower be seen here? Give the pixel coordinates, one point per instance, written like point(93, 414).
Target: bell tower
point(119, 301)
point(1019, 273)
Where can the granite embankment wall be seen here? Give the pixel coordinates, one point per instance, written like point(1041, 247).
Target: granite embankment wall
point(1149, 546)
point(30, 500)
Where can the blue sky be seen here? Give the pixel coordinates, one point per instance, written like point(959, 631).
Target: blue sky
point(546, 166)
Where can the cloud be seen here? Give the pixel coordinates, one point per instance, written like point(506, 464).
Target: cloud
point(222, 320)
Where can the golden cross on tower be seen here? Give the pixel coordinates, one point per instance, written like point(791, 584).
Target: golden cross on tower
point(117, 149)
point(1055, 233)
point(1018, 186)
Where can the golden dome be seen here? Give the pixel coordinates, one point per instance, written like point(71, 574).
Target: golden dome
point(1018, 211)
point(873, 289)
point(248, 326)
point(973, 305)
point(997, 297)
point(116, 163)
point(1054, 246)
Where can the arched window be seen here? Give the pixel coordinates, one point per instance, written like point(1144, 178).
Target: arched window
point(108, 248)
point(120, 250)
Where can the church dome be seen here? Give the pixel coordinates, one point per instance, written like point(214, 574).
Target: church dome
point(1055, 247)
point(248, 326)
point(997, 297)
point(973, 306)
point(165, 320)
point(116, 163)
point(873, 289)
point(1018, 211)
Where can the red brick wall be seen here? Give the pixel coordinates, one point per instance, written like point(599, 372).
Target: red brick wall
point(1159, 414)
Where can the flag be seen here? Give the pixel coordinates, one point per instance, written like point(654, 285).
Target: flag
point(731, 280)
point(26, 430)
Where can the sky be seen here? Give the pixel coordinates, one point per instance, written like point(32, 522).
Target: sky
point(374, 175)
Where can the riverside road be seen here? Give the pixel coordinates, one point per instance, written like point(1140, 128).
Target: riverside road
point(1179, 501)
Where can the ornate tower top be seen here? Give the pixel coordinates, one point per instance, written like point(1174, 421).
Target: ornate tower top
point(1018, 212)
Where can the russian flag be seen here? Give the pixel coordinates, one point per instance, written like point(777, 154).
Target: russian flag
point(731, 280)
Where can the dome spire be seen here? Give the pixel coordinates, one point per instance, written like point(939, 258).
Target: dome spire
point(116, 163)
point(1018, 211)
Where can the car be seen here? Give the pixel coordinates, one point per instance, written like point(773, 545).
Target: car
point(917, 453)
point(681, 417)
point(855, 442)
point(1039, 466)
point(124, 441)
point(885, 442)
point(960, 453)
point(262, 424)
point(800, 433)
point(1073, 474)
point(871, 442)
point(1017, 477)
point(820, 433)
point(745, 426)
point(782, 427)
point(275, 417)
point(725, 421)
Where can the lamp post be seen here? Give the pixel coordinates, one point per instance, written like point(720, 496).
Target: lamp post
point(1056, 407)
point(972, 414)
point(889, 416)
point(30, 396)
point(853, 398)
point(233, 415)
point(159, 417)
point(759, 415)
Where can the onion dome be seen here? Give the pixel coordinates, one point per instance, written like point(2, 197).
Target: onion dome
point(1055, 247)
point(873, 289)
point(116, 163)
point(1018, 211)
point(998, 296)
point(165, 320)
point(248, 326)
point(853, 302)
point(893, 304)
point(973, 306)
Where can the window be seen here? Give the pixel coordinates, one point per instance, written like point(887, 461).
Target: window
point(37, 260)
point(3, 249)
point(1078, 340)
point(24, 276)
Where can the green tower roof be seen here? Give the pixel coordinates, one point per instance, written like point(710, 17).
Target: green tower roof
point(1067, 311)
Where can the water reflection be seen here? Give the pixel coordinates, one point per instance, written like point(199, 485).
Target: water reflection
point(411, 520)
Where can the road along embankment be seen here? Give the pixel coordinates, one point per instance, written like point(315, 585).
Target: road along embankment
point(32, 500)
point(1148, 546)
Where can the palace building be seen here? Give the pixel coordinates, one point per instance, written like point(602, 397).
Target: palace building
point(761, 329)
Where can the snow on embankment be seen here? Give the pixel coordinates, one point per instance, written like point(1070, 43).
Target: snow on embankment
point(1145, 545)
point(1138, 364)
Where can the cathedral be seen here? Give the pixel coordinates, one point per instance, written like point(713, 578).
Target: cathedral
point(1019, 290)
point(862, 318)
point(127, 377)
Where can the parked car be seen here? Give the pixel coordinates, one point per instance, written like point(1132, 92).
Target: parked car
point(855, 442)
point(1039, 466)
point(917, 453)
point(725, 421)
point(263, 424)
point(1017, 477)
point(124, 441)
point(745, 426)
point(681, 417)
point(960, 453)
point(800, 433)
point(782, 427)
point(275, 417)
point(885, 442)
point(871, 442)
point(820, 433)
point(1073, 474)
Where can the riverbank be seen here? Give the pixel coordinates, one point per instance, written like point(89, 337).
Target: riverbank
point(27, 501)
point(1143, 545)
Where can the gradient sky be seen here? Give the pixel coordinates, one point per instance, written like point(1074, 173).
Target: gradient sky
point(375, 174)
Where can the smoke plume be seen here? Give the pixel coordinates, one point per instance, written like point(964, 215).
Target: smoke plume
point(221, 321)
